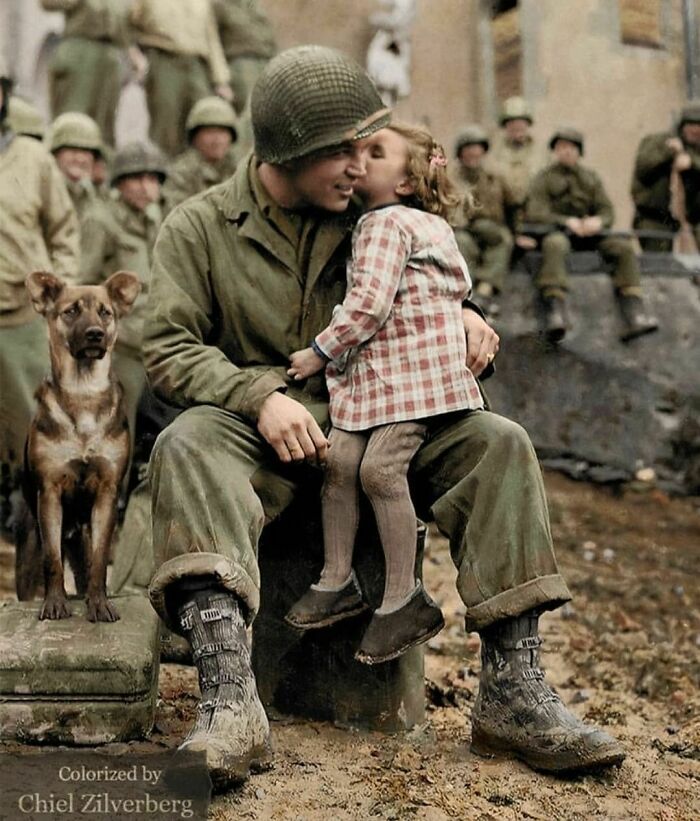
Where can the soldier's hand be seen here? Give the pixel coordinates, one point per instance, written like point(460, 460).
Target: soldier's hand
point(291, 430)
point(591, 226)
point(139, 64)
point(224, 90)
point(675, 144)
point(682, 161)
point(525, 242)
point(482, 341)
point(575, 225)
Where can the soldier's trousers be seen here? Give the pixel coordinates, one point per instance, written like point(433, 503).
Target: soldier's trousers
point(24, 362)
point(661, 245)
point(85, 76)
point(244, 72)
point(173, 85)
point(487, 247)
point(617, 252)
point(215, 483)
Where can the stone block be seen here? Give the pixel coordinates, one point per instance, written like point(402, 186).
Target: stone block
point(74, 682)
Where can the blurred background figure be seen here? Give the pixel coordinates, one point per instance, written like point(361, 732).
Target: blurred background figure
point(38, 231)
point(180, 58)
point(24, 119)
point(85, 71)
point(389, 52)
point(569, 201)
point(211, 157)
point(482, 233)
point(666, 183)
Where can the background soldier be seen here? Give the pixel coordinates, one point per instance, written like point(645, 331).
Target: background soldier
point(514, 152)
point(85, 72)
point(570, 200)
point(38, 230)
point(121, 237)
point(482, 234)
point(659, 157)
point(181, 58)
point(24, 119)
point(211, 158)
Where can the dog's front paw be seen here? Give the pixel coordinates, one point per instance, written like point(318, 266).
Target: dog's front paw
point(99, 608)
point(55, 607)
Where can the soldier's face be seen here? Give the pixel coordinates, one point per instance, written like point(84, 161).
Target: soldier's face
point(471, 155)
point(212, 142)
point(690, 133)
point(328, 181)
point(75, 163)
point(139, 190)
point(517, 131)
point(566, 153)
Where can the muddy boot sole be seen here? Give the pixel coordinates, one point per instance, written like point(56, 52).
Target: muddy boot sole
point(606, 755)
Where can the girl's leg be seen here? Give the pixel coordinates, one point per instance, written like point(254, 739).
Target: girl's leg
point(383, 474)
point(341, 507)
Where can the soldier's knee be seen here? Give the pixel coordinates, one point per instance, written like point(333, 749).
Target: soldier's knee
point(182, 439)
point(556, 242)
point(508, 439)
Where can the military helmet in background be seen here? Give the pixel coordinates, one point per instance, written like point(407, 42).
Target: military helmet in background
point(75, 130)
point(310, 98)
point(690, 113)
point(138, 158)
point(471, 135)
point(572, 135)
point(515, 108)
point(211, 111)
point(24, 119)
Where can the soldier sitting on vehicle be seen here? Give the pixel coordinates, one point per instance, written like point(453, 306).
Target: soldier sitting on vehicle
point(482, 233)
point(660, 156)
point(570, 203)
point(211, 157)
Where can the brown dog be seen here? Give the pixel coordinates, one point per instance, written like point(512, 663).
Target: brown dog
point(78, 444)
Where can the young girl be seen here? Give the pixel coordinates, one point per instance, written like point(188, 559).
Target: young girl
point(395, 352)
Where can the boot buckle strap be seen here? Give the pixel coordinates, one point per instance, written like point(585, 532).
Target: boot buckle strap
point(187, 620)
point(527, 643)
point(214, 647)
point(213, 614)
point(220, 678)
point(533, 674)
point(214, 703)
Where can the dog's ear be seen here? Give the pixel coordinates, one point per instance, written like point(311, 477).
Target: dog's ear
point(44, 289)
point(123, 288)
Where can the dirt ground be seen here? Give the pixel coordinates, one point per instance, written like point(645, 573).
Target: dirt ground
point(625, 654)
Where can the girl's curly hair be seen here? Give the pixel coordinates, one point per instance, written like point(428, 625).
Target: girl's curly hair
point(433, 190)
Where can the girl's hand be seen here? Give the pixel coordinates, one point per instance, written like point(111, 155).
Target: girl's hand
point(305, 363)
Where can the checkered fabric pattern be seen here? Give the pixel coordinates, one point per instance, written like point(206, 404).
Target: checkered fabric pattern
point(400, 324)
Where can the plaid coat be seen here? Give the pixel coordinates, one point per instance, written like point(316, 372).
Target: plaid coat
point(400, 324)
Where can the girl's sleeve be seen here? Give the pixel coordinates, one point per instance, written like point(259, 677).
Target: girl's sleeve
point(380, 251)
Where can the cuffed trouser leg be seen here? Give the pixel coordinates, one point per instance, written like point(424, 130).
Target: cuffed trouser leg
point(214, 482)
point(479, 477)
point(553, 273)
point(619, 253)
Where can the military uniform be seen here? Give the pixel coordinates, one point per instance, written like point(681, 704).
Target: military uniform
point(248, 42)
point(185, 58)
point(85, 71)
point(24, 119)
point(558, 193)
point(38, 231)
point(483, 236)
point(651, 185)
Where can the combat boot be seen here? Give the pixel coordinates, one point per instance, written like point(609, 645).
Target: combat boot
point(516, 714)
point(555, 318)
point(636, 319)
point(231, 727)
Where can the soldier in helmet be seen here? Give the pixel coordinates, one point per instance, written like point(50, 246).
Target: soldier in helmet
point(24, 119)
point(85, 71)
point(514, 151)
point(180, 55)
point(211, 157)
point(38, 231)
point(75, 141)
point(482, 232)
point(243, 275)
point(121, 237)
point(569, 198)
point(658, 157)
